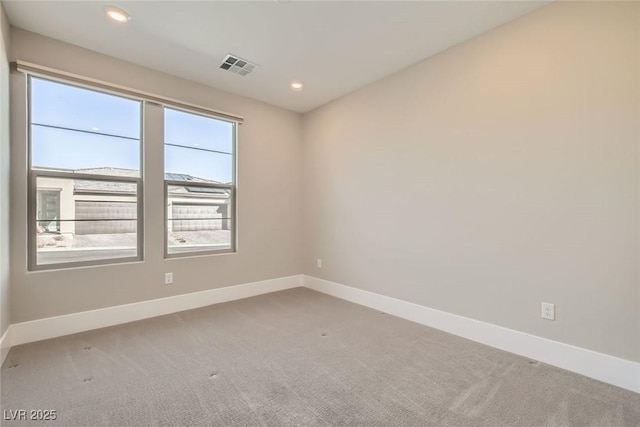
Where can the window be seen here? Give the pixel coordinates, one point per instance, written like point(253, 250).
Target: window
point(199, 183)
point(85, 186)
point(85, 182)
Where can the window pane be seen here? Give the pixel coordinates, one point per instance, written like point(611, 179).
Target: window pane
point(198, 240)
point(198, 164)
point(65, 248)
point(199, 219)
point(84, 152)
point(85, 220)
point(199, 150)
point(58, 104)
point(192, 130)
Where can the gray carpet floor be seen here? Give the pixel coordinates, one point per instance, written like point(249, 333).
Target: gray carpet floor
point(296, 358)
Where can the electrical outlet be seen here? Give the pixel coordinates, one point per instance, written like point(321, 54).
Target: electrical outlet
point(548, 311)
point(319, 263)
point(168, 278)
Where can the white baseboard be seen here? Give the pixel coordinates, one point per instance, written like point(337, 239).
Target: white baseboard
point(603, 367)
point(5, 344)
point(41, 329)
point(613, 370)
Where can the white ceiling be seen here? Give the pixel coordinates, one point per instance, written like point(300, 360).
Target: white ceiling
point(333, 47)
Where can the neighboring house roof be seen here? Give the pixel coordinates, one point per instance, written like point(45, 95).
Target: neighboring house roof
point(108, 171)
point(85, 186)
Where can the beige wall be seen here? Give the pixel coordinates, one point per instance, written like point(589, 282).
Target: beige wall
point(482, 181)
point(4, 174)
point(269, 228)
point(491, 177)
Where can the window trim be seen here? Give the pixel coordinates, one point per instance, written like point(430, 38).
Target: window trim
point(32, 188)
point(40, 71)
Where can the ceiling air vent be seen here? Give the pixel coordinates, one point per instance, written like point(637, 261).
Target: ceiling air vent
point(237, 65)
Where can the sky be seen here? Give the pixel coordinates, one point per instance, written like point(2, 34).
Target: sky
point(76, 128)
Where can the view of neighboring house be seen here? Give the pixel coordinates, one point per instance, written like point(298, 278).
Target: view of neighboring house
point(84, 219)
point(82, 207)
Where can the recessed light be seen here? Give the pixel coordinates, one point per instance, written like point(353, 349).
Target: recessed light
point(297, 85)
point(117, 14)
